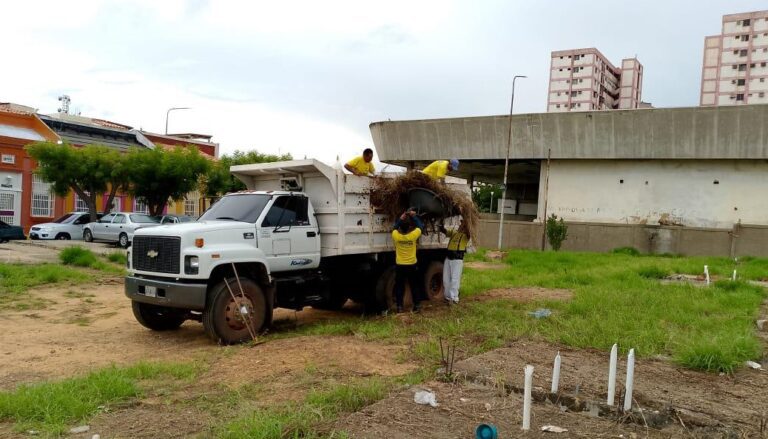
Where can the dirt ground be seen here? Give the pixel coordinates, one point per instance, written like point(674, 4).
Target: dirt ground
point(36, 252)
point(488, 389)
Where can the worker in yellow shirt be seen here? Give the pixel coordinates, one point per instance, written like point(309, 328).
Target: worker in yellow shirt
point(438, 169)
point(361, 165)
point(454, 261)
point(405, 235)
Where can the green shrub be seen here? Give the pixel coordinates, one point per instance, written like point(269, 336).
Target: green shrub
point(629, 251)
point(117, 258)
point(653, 272)
point(557, 232)
point(79, 257)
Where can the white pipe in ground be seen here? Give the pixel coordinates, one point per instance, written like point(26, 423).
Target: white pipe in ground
point(556, 374)
point(612, 375)
point(630, 385)
point(527, 398)
point(734, 275)
point(706, 273)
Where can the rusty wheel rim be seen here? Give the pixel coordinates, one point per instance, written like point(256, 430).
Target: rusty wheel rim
point(234, 316)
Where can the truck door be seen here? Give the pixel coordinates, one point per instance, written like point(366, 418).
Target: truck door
point(289, 236)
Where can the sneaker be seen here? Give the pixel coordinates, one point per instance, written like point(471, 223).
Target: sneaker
point(447, 301)
point(399, 309)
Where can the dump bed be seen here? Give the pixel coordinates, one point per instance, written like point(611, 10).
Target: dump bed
point(348, 223)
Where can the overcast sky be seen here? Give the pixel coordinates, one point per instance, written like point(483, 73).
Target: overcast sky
point(307, 77)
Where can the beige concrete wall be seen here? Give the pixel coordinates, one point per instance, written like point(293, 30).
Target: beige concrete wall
point(692, 193)
point(742, 240)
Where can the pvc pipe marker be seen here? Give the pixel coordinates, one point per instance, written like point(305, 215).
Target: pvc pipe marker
point(630, 380)
point(527, 398)
point(556, 374)
point(734, 275)
point(612, 375)
point(706, 273)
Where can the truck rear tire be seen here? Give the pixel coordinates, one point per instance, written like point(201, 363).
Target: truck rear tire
point(158, 318)
point(384, 297)
point(222, 318)
point(433, 280)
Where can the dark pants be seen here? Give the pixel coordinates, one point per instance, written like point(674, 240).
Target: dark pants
point(410, 274)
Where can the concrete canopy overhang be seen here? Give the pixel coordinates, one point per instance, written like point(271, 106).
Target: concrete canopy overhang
point(699, 133)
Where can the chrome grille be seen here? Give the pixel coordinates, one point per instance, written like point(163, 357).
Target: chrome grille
point(159, 254)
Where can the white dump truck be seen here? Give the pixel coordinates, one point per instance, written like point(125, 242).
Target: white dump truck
point(302, 234)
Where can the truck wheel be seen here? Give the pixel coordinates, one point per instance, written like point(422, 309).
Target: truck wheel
point(223, 319)
point(433, 280)
point(123, 240)
point(384, 298)
point(63, 236)
point(158, 318)
point(87, 235)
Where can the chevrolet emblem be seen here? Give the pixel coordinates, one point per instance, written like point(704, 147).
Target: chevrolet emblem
point(152, 254)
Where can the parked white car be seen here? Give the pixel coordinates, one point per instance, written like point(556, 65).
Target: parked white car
point(118, 227)
point(69, 226)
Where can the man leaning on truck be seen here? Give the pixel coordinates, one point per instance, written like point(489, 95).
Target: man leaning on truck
point(406, 233)
point(361, 165)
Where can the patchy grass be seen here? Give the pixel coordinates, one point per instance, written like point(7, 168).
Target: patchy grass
point(16, 280)
point(117, 258)
point(54, 407)
point(82, 257)
point(312, 417)
point(617, 298)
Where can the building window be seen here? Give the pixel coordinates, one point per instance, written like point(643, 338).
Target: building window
point(735, 52)
point(9, 159)
point(80, 205)
point(740, 82)
point(561, 70)
point(190, 206)
point(761, 94)
point(743, 52)
point(742, 67)
point(558, 93)
point(573, 93)
point(579, 91)
point(762, 79)
point(734, 67)
point(740, 97)
point(752, 66)
point(745, 22)
point(42, 199)
point(762, 64)
point(558, 105)
point(744, 37)
point(140, 207)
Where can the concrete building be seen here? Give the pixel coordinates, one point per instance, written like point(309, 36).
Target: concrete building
point(584, 80)
point(680, 180)
point(735, 66)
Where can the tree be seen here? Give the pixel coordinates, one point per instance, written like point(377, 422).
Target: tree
point(159, 175)
point(88, 171)
point(219, 180)
point(485, 194)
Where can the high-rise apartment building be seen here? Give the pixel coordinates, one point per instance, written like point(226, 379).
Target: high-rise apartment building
point(734, 70)
point(584, 79)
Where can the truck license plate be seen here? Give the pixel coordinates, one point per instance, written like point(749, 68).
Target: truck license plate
point(150, 291)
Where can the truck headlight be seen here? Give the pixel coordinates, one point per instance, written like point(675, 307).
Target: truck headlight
point(191, 264)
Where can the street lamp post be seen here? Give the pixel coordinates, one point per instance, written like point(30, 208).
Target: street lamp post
point(491, 202)
point(506, 163)
point(169, 112)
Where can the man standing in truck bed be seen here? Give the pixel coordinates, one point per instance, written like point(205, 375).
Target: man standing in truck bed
point(406, 233)
point(361, 165)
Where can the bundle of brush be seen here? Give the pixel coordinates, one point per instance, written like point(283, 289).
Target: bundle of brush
point(391, 196)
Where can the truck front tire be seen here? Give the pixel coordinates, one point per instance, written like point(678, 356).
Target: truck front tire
point(158, 318)
point(223, 317)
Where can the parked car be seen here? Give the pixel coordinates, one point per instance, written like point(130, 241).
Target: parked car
point(9, 232)
point(177, 219)
point(69, 226)
point(118, 227)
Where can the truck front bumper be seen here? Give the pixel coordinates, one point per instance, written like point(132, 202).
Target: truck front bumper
point(170, 294)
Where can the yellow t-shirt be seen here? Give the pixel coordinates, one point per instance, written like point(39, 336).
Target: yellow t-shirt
point(361, 166)
point(458, 241)
point(405, 246)
point(437, 169)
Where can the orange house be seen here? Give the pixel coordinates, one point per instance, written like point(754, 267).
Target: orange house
point(24, 199)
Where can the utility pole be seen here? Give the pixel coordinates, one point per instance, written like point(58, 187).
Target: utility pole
point(169, 112)
point(506, 163)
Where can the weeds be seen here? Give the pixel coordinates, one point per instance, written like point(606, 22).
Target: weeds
point(117, 258)
point(82, 257)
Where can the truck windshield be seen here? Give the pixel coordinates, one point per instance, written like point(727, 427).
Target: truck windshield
point(246, 208)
